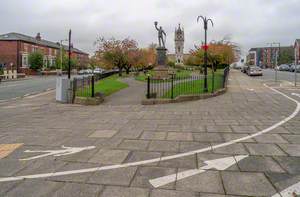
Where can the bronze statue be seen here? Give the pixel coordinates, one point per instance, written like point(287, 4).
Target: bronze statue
point(161, 34)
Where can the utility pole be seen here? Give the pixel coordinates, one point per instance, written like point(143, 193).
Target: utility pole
point(205, 21)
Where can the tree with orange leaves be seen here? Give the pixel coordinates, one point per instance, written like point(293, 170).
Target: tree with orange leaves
point(222, 52)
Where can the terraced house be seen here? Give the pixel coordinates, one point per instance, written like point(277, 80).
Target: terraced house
point(15, 49)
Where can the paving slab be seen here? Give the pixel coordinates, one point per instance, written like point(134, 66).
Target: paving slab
point(233, 149)
point(172, 193)
point(116, 191)
point(103, 133)
point(134, 144)
point(145, 173)
point(283, 180)
point(78, 190)
point(176, 136)
point(190, 146)
point(259, 164)
point(164, 146)
point(264, 149)
point(106, 156)
point(182, 162)
point(219, 129)
point(290, 164)
point(209, 181)
point(121, 176)
point(295, 139)
point(208, 137)
point(153, 135)
point(245, 183)
point(143, 155)
point(270, 138)
point(34, 188)
point(291, 149)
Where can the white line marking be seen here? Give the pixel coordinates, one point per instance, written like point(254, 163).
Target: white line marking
point(295, 94)
point(35, 176)
point(218, 164)
point(293, 190)
point(56, 153)
point(37, 95)
point(250, 89)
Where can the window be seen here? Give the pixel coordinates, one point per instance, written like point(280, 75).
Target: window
point(24, 60)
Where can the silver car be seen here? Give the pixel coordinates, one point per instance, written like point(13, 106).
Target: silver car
point(254, 71)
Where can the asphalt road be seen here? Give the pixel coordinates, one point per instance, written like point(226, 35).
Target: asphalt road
point(13, 89)
point(281, 75)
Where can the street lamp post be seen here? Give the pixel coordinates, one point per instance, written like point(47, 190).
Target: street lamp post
point(277, 55)
point(61, 55)
point(69, 61)
point(205, 21)
point(295, 71)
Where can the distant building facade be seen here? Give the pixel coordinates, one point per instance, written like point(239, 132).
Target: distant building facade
point(179, 45)
point(265, 57)
point(15, 49)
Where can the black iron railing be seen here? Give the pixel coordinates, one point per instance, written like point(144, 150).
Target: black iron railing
point(84, 86)
point(174, 86)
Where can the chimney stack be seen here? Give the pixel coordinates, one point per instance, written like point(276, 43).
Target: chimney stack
point(38, 37)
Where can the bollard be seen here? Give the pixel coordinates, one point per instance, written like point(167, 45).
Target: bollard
point(148, 87)
point(93, 86)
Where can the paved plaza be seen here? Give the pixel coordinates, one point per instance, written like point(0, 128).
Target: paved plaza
point(130, 149)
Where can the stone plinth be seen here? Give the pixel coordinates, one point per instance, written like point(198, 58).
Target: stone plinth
point(161, 71)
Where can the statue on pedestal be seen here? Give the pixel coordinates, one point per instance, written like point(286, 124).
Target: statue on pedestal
point(161, 35)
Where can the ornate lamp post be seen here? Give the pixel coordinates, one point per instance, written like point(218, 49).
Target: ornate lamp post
point(69, 61)
point(205, 21)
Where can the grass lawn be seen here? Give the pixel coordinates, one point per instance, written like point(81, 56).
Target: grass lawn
point(196, 86)
point(106, 86)
point(179, 73)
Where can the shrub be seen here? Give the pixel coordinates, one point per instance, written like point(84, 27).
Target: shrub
point(35, 60)
point(171, 64)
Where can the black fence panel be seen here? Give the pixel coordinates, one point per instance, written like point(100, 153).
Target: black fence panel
point(174, 86)
point(84, 86)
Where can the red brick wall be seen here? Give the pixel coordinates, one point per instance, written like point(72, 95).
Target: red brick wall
point(8, 52)
point(28, 48)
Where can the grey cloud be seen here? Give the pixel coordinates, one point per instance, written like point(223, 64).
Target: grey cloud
point(250, 23)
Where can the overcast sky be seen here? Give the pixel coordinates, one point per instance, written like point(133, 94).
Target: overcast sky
point(249, 23)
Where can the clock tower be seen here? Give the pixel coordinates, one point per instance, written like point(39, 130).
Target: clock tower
point(179, 45)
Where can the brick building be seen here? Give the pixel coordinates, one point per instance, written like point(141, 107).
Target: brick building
point(15, 49)
point(265, 57)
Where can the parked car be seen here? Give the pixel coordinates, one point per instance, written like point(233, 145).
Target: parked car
point(98, 70)
point(284, 67)
point(244, 69)
point(85, 71)
point(254, 71)
point(297, 69)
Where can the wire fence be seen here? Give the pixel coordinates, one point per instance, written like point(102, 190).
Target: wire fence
point(175, 86)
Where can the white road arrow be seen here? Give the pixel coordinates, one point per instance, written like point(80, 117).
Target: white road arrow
point(218, 164)
point(295, 94)
point(57, 153)
point(291, 191)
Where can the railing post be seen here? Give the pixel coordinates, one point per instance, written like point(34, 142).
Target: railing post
point(148, 87)
point(213, 81)
point(172, 86)
point(93, 86)
point(74, 89)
